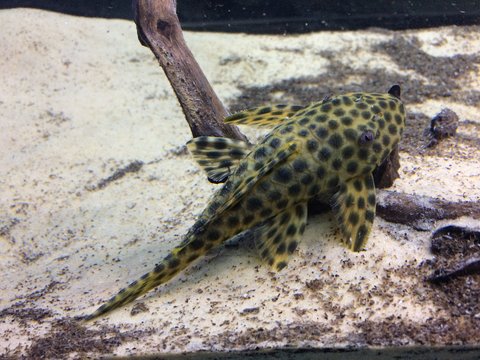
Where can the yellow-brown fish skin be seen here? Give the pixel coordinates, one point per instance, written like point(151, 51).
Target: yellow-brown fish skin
point(327, 149)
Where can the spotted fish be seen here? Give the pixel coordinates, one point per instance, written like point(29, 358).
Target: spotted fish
point(328, 150)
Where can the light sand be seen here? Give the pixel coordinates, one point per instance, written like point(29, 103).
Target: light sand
point(80, 98)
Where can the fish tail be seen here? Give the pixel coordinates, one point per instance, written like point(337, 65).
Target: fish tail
point(178, 259)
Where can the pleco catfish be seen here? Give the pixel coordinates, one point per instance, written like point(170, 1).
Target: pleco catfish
point(328, 150)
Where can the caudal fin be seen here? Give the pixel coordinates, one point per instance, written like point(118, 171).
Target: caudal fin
point(168, 268)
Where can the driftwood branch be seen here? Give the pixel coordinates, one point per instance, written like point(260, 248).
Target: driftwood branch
point(413, 209)
point(158, 28)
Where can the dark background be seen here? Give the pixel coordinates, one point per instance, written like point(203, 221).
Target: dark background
point(283, 16)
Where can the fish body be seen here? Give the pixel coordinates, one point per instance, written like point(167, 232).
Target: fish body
point(328, 150)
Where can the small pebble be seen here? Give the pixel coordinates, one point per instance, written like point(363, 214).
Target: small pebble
point(443, 125)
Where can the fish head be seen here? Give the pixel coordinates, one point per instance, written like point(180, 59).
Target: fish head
point(370, 126)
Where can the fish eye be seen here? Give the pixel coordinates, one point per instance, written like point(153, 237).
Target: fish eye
point(366, 137)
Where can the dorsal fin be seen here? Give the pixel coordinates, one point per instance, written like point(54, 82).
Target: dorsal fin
point(265, 116)
point(218, 156)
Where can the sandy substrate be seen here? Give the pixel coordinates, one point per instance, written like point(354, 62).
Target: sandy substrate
point(81, 98)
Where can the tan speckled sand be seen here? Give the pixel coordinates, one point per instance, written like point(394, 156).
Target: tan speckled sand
point(81, 98)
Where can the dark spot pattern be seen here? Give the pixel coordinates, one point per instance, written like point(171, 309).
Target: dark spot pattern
point(264, 110)
point(386, 140)
point(366, 115)
point(303, 133)
point(233, 221)
point(159, 268)
point(254, 204)
point(213, 235)
point(292, 246)
point(361, 203)
point(326, 107)
point(357, 184)
point(361, 233)
point(321, 118)
point(294, 190)
point(333, 182)
point(278, 238)
point(347, 152)
point(324, 154)
point(260, 153)
point(350, 134)
point(274, 195)
point(336, 141)
point(337, 164)
point(349, 201)
point(377, 147)
point(285, 218)
point(369, 215)
point(214, 154)
point(306, 179)
point(353, 218)
point(336, 102)
point(392, 129)
point(369, 184)
point(352, 167)
point(283, 175)
point(312, 145)
point(299, 165)
point(173, 263)
point(333, 124)
point(237, 116)
point(321, 132)
point(355, 113)
point(304, 121)
point(321, 172)
point(346, 120)
point(275, 143)
point(347, 101)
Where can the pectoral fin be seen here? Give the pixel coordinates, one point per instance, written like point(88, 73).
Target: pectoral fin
point(218, 156)
point(354, 207)
point(266, 116)
point(252, 175)
point(278, 237)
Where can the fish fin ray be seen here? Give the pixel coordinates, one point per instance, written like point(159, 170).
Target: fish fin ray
point(264, 116)
point(354, 207)
point(278, 237)
point(218, 156)
point(246, 183)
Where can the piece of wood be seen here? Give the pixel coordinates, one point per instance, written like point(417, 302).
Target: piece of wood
point(414, 209)
point(158, 28)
